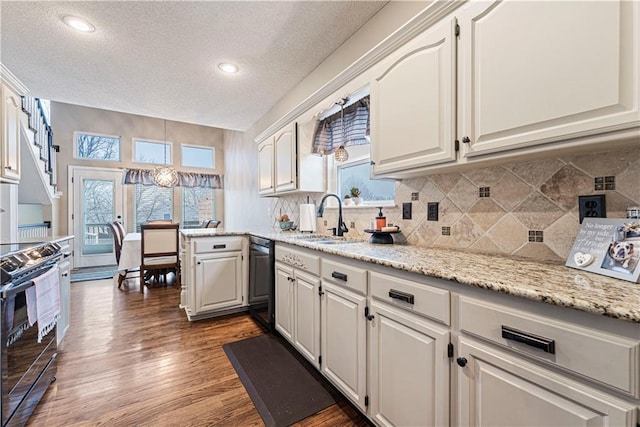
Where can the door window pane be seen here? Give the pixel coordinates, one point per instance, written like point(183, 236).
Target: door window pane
point(152, 202)
point(198, 157)
point(97, 147)
point(357, 174)
point(158, 153)
point(97, 210)
point(198, 204)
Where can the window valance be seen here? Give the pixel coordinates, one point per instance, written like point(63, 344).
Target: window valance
point(185, 179)
point(331, 133)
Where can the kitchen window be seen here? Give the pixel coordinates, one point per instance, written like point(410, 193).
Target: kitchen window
point(198, 157)
point(198, 204)
point(356, 172)
point(155, 152)
point(152, 202)
point(94, 146)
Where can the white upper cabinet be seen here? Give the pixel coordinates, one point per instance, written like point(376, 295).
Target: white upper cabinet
point(413, 103)
point(285, 148)
point(286, 164)
point(265, 167)
point(537, 72)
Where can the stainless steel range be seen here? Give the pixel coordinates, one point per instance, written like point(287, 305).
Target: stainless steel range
point(28, 367)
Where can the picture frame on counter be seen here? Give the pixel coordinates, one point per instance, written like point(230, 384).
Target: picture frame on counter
point(608, 246)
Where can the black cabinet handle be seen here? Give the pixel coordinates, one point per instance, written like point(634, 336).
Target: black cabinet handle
point(466, 139)
point(462, 361)
point(219, 246)
point(403, 296)
point(545, 344)
point(339, 276)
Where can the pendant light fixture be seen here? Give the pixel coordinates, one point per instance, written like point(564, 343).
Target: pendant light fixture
point(341, 154)
point(165, 176)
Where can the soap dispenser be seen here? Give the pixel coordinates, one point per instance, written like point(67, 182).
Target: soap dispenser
point(381, 220)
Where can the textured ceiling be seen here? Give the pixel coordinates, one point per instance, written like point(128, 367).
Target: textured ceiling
point(159, 59)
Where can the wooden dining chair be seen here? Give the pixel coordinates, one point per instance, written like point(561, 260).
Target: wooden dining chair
point(118, 236)
point(160, 251)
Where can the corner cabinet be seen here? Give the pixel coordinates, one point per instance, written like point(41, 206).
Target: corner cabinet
point(505, 80)
point(10, 146)
point(286, 163)
point(214, 276)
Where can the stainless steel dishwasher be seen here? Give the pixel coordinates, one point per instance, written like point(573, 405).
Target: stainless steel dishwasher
point(262, 281)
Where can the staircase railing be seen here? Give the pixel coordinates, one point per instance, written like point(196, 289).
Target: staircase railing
point(43, 136)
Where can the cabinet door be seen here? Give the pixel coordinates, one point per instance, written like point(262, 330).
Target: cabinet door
point(409, 371)
point(11, 106)
point(306, 316)
point(343, 336)
point(535, 72)
point(285, 157)
point(284, 301)
point(501, 389)
point(218, 281)
point(265, 167)
point(413, 104)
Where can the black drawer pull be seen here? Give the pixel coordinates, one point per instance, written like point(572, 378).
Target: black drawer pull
point(544, 344)
point(219, 246)
point(339, 276)
point(403, 296)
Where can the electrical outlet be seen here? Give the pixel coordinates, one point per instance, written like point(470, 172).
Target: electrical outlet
point(406, 211)
point(592, 206)
point(432, 211)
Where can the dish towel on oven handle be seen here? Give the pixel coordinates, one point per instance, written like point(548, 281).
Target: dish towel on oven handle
point(43, 302)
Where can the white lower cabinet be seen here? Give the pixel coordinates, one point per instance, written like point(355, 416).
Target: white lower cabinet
point(408, 370)
point(218, 281)
point(284, 301)
point(306, 317)
point(298, 301)
point(214, 275)
point(343, 334)
point(497, 388)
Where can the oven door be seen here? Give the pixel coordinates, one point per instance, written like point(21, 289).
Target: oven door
point(261, 286)
point(27, 366)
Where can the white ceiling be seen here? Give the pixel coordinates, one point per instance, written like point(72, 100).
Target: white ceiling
point(158, 59)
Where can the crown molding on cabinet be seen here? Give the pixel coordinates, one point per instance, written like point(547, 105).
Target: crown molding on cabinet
point(419, 23)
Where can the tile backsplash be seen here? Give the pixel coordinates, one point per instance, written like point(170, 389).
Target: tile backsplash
point(526, 209)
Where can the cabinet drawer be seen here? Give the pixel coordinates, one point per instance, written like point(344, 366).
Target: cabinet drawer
point(421, 299)
point(307, 261)
point(604, 357)
point(217, 244)
point(345, 275)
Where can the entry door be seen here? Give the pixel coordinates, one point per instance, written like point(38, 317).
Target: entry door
point(97, 201)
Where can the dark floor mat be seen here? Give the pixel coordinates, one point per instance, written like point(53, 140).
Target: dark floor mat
point(282, 389)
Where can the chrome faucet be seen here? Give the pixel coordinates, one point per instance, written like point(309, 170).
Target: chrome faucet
point(341, 228)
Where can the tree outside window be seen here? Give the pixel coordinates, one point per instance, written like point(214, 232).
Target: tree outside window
point(97, 147)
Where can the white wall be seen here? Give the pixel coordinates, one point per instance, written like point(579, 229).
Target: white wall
point(243, 208)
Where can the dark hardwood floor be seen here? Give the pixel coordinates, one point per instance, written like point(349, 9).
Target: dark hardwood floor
point(132, 359)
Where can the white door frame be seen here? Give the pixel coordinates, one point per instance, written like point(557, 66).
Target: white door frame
point(73, 210)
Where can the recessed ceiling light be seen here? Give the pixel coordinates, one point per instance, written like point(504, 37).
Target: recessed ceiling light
point(228, 68)
point(79, 24)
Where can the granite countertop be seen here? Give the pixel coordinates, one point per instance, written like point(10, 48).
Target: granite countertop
point(548, 282)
